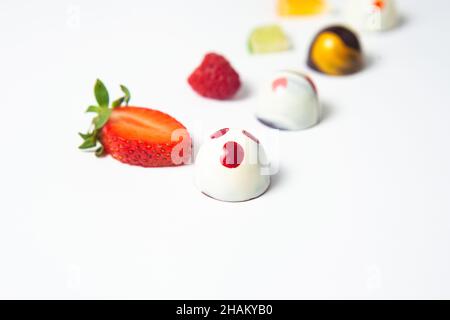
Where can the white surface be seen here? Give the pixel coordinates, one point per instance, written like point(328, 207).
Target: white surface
point(359, 209)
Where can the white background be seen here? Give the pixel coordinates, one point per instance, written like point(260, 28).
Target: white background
point(359, 209)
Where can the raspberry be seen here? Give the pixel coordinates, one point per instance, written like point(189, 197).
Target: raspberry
point(215, 78)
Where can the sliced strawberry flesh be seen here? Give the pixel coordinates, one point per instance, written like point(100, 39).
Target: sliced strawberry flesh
point(142, 124)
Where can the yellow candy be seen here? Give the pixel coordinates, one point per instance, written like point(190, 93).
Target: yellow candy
point(300, 7)
point(336, 51)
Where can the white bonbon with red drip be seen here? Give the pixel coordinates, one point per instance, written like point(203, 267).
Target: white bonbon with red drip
point(289, 101)
point(231, 165)
point(371, 15)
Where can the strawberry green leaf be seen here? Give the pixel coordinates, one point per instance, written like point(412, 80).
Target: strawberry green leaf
point(90, 142)
point(101, 94)
point(93, 109)
point(126, 92)
point(118, 102)
point(84, 136)
point(100, 152)
point(102, 118)
point(90, 139)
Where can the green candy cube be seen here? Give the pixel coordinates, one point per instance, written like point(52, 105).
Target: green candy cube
point(268, 39)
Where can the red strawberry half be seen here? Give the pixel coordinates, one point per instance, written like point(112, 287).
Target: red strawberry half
point(134, 135)
point(215, 78)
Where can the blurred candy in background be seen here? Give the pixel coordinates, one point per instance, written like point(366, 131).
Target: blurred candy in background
point(289, 102)
point(270, 38)
point(336, 51)
point(371, 15)
point(300, 7)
